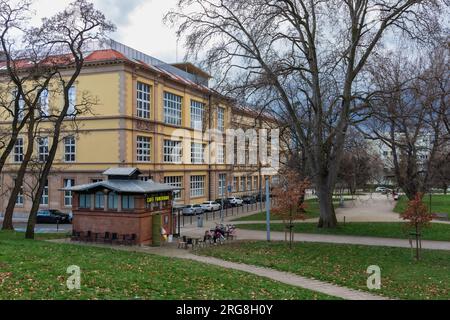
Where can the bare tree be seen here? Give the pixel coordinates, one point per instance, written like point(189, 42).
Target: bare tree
point(304, 57)
point(12, 19)
point(408, 116)
point(440, 170)
point(360, 164)
point(25, 76)
point(68, 33)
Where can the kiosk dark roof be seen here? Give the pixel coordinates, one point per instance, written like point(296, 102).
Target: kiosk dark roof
point(124, 180)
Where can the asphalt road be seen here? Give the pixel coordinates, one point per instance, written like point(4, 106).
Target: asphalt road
point(43, 228)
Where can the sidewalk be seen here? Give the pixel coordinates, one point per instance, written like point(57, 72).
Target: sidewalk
point(366, 241)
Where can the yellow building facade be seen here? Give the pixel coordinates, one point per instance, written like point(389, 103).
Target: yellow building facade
point(146, 117)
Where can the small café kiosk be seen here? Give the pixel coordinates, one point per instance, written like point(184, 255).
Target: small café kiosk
point(123, 209)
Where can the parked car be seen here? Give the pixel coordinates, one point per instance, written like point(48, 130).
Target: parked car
point(193, 210)
point(210, 206)
point(235, 201)
point(380, 189)
point(249, 199)
point(52, 216)
point(226, 203)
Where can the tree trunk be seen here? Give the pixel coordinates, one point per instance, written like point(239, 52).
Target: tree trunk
point(327, 217)
point(35, 207)
point(9, 212)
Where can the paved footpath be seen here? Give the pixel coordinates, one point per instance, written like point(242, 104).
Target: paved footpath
point(367, 241)
point(280, 276)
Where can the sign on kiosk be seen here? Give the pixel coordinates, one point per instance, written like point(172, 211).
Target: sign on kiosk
point(157, 199)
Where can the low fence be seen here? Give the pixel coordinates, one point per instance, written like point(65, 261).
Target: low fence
point(214, 215)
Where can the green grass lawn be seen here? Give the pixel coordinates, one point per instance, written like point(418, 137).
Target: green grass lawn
point(439, 203)
point(401, 276)
point(437, 231)
point(312, 211)
point(37, 270)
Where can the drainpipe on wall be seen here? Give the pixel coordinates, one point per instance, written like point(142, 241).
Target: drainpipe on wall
point(209, 140)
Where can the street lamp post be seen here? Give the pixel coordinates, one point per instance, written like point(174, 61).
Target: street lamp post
point(222, 187)
point(268, 209)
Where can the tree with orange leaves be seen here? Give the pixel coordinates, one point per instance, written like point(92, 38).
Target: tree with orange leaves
point(419, 217)
point(289, 202)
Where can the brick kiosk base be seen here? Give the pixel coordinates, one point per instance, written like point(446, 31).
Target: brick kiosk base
point(139, 224)
point(124, 207)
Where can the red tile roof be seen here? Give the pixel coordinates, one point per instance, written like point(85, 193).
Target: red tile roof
point(110, 55)
point(102, 55)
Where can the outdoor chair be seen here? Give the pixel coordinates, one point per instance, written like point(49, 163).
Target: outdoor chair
point(231, 235)
point(107, 238)
point(75, 236)
point(189, 242)
point(89, 237)
point(115, 238)
point(83, 236)
point(99, 237)
point(133, 239)
point(182, 243)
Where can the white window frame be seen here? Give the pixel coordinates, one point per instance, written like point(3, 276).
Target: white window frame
point(197, 153)
point(44, 102)
point(18, 150)
point(175, 181)
point(243, 184)
point(249, 183)
point(20, 200)
point(221, 119)
point(197, 186)
point(220, 154)
point(21, 110)
point(68, 194)
point(172, 151)
point(45, 196)
point(43, 149)
point(143, 100)
point(197, 113)
point(72, 100)
point(222, 184)
point(70, 149)
point(255, 182)
point(172, 109)
point(235, 184)
point(143, 149)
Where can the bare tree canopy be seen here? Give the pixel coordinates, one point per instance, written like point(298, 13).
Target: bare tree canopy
point(408, 115)
point(56, 49)
point(302, 59)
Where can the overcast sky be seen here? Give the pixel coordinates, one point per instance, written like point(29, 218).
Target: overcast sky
point(139, 24)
